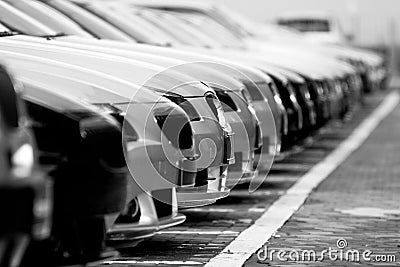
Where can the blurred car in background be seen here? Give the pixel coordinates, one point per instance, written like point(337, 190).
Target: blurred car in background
point(317, 26)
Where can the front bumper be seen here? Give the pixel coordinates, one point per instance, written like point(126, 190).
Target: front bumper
point(212, 188)
point(196, 197)
point(152, 218)
point(210, 181)
point(153, 168)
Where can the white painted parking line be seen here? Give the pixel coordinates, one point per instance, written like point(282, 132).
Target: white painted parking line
point(254, 237)
point(282, 178)
point(256, 210)
point(152, 263)
point(245, 193)
point(198, 232)
point(211, 210)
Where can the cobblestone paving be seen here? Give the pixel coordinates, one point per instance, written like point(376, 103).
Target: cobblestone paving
point(208, 230)
point(359, 202)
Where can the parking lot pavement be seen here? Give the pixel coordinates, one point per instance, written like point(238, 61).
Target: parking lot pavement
point(208, 230)
point(357, 207)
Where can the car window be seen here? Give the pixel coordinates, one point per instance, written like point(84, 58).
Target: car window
point(307, 25)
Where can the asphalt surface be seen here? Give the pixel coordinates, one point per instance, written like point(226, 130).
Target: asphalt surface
point(208, 230)
point(355, 210)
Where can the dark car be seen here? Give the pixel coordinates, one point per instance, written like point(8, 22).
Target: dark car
point(292, 107)
point(89, 180)
point(24, 204)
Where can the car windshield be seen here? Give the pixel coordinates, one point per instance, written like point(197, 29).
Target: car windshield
point(167, 26)
point(307, 25)
point(210, 27)
point(49, 16)
point(200, 37)
point(238, 24)
point(132, 15)
point(19, 22)
point(133, 26)
point(88, 21)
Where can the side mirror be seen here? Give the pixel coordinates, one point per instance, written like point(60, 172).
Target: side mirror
point(8, 99)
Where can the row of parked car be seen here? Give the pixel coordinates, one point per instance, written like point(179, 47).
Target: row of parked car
point(116, 114)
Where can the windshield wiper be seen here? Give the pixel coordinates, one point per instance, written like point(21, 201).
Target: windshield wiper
point(7, 33)
point(60, 34)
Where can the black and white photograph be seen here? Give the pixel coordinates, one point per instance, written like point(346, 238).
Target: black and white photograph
point(215, 133)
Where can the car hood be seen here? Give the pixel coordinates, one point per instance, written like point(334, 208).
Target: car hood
point(161, 56)
point(42, 95)
point(135, 71)
point(90, 86)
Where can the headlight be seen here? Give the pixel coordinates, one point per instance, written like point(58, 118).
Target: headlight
point(253, 111)
point(228, 104)
point(258, 139)
point(293, 98)
point(306, 93)
point(218, 111)
point(175, 125)
point(253, 90)
point(320, 89)
point(246, 95)
point(129, 133)
point(278, 99)
point(104, 139)
point(23, 160)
